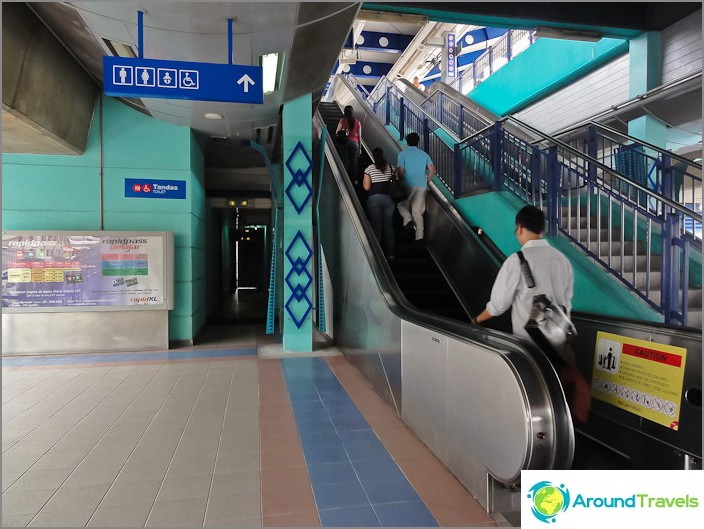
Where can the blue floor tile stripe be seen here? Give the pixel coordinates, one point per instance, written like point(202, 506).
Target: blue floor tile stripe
point(125, 357)
point(356, 483)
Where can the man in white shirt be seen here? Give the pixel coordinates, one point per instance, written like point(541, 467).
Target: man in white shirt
point(551, 270)
point(553, 277)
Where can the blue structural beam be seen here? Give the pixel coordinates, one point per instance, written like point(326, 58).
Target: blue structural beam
point(369, 69)
point(480, 35)
point(376, 41)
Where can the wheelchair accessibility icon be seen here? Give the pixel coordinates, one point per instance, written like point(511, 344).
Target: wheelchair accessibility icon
point(188, 79)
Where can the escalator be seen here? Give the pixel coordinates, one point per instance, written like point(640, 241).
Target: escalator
point(417, 275)
point(613, 439)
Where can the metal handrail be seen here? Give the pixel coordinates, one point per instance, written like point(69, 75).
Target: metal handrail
point(352, 76)
point(648, 145)
point(605, 168)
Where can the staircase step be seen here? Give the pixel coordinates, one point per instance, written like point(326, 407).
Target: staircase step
point(694, 298)
point(641, 262)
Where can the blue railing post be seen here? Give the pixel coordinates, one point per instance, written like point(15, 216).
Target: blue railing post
point(670, 268)
point(401, 118)
point(426, 135)
point(491, 61)
point(668, 182)
point(535, 176)
point(554, 191)
point(592, 151)
point(497, 155)
point(388, 105)
point(441, 102)
point(460, 133)
point(457, 176)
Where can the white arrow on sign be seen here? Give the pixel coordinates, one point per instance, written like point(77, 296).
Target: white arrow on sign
point(247, 80)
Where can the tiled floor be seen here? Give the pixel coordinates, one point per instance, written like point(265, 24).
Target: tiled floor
point(213, 436)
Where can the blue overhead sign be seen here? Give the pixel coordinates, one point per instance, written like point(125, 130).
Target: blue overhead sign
point(198, 81)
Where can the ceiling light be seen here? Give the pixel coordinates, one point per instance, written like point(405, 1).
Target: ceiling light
point(211, 115)
point(568, 34)
point(120, 49)
point(383, 16)
point(272, 68)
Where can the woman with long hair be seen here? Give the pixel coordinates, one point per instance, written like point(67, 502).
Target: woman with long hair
point(380, 206)
point(349, 147)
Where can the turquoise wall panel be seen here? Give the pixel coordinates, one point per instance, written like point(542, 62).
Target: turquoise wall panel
point(542, 69)
point(180, 327)
point(53, 188)
point(50, 220)
point(139, 141)
point(183, 296)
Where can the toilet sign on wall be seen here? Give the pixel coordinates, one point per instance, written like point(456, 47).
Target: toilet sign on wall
point(198, 81)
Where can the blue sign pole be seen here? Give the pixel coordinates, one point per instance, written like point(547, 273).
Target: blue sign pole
point(229, 41)
point(140, 34)
point(198, 81)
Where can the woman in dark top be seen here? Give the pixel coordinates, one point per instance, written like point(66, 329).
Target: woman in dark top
point(349, 149)
point(379, 204)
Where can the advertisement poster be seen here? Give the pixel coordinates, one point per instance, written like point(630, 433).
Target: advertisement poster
point(82, 271)
point(641, 377)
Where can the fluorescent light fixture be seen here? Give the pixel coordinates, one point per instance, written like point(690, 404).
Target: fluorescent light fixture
point(272, 68)
point(120, 49)
point(212, 115)
point(389, 17)
point(568, 34)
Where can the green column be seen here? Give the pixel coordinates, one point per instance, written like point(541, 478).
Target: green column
point(298, 225)
point(645, 74)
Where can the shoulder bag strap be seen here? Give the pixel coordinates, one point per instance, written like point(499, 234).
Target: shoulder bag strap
point(525, 270)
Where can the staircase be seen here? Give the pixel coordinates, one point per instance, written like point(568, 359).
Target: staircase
point(416, 274)
point(627, 259)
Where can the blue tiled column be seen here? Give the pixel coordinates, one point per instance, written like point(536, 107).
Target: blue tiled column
point(298, 225)
point(645, 74)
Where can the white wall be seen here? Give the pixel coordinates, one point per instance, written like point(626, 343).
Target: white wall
point(608, 85)
point(682, 48)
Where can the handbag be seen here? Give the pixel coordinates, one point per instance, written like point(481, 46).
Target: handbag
point(398, 190)
point(548, 324)
point(342, 135)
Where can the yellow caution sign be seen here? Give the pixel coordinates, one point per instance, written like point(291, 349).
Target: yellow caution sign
point(641, 377)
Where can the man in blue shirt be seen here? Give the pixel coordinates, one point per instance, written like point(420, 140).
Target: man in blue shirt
point(416, 168)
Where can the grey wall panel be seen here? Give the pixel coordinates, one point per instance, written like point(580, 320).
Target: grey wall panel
point(594, 93)
point(682, 48)
point(85, 332)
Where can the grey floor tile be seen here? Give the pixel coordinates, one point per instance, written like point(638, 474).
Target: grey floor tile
point(16, 520)
point(211, 521)
point(78, 499)
point(143, 471)
point(131, 493)
point(120, 516)
point(40, 479)
point(235, 505)
point(12, 463)
point(25, 502)
point(55, 459)
point(177, 513)
point(195, 466)
point(9, 478)
point(184, 488)
point(236, 483)
point(232, 462)
point(61, 519)
point(86, 476)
